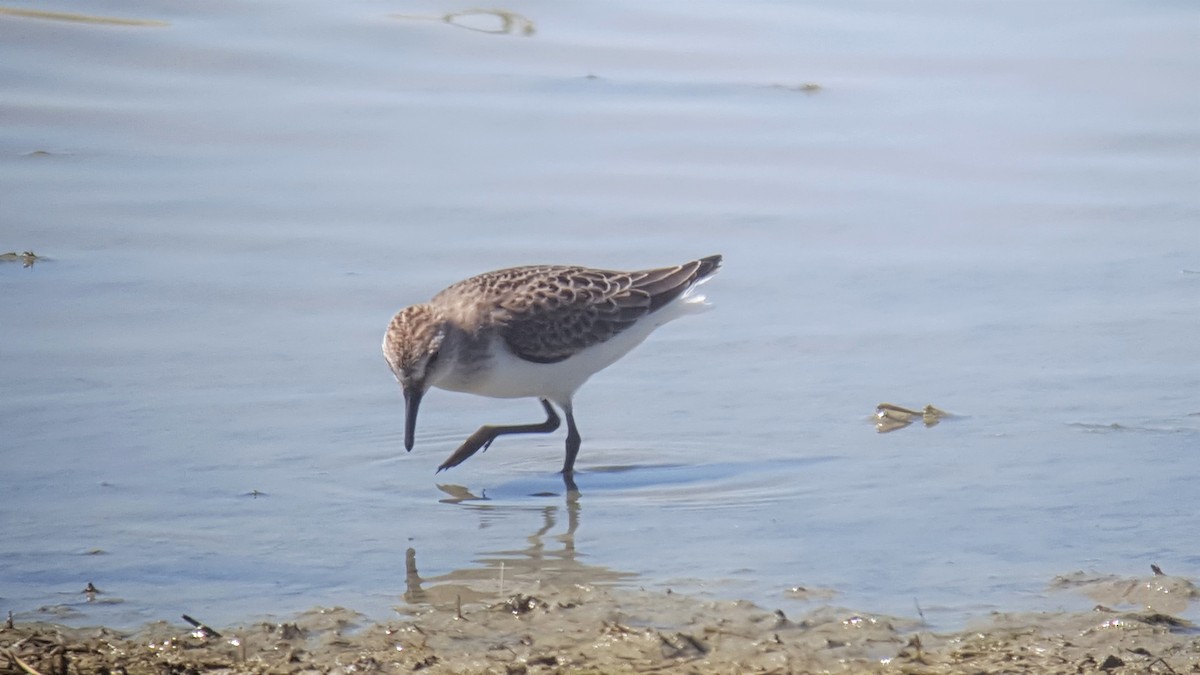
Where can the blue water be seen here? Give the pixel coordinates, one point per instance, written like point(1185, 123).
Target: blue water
point(991, 207)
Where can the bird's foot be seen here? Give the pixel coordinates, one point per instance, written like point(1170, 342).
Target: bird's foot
point(480, 440)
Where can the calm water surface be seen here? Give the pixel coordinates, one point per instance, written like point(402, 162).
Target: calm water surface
point(992, 207)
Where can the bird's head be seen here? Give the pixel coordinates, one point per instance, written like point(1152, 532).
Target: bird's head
point(411, 346)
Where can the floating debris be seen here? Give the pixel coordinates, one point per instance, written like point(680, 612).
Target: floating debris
point(510, 22)
point(804, 88)
point(78, 18)
point(26, 258)
point(890, 417)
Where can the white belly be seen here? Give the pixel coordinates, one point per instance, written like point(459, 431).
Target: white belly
point(508, 376)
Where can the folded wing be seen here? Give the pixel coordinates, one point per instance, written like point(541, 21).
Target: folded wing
point(563, 310)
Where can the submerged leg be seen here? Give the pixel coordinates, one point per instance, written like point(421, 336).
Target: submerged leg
point(573, 441)
point(572, 488)
point(483, 437)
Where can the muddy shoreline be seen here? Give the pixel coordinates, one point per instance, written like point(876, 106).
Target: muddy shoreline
point(578, 628)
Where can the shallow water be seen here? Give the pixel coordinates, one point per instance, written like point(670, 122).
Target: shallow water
point(988, 207)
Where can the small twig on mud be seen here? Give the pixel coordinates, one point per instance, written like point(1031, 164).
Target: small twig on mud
point(1165, 665)
point(201, 631)
point(20, 662)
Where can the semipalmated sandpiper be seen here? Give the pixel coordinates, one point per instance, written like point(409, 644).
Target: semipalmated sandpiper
point(538, 331)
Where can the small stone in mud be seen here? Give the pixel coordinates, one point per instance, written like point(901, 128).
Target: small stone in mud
point(522, 604)
point(290, 631)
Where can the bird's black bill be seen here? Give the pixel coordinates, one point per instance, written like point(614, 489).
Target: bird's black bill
point(412, 401)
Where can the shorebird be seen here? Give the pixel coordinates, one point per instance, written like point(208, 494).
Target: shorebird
point(532, 332)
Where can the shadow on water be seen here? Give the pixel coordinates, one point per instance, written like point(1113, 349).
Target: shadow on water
point(720, 479)
point(499, 574)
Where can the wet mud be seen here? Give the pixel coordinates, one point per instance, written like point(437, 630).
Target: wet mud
point(589, 629)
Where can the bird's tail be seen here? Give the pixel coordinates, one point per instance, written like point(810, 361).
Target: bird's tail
point(667, 284)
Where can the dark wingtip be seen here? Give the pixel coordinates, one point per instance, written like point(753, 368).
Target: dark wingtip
point(709, 265)
point(666, 284)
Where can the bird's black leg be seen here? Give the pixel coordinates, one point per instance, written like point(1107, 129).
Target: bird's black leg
point(573, 441)
point(483, 437)
point(572, 488)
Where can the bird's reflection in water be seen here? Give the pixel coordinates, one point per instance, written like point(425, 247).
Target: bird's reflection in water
point(499, 574)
